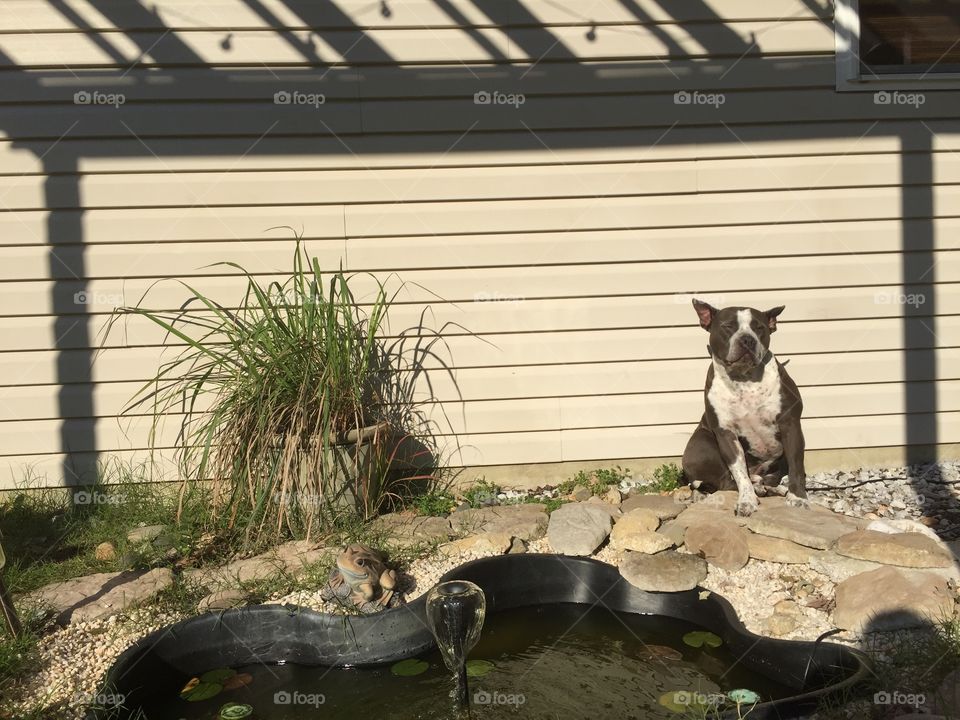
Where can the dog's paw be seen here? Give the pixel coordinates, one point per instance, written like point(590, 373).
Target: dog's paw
point(747, 506)
point(797, 501)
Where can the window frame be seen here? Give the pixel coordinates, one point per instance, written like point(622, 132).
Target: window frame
point(846, 22)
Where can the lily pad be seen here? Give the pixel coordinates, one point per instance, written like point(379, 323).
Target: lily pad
point(668, 700)
point(218, 675)
point(409, 668)
point(478, 668)
point(235, 711)
point(200, 691)
point(699, 638)
point(237, 681)
point(742, 696)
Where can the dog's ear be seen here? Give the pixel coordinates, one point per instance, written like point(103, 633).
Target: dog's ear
point(705, 312)
point(771, 316)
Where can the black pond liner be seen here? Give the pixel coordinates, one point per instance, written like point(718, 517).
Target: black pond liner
point(284, 633)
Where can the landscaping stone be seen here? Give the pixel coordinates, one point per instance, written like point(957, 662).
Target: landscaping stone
point(488, 543)
point(813, 528)
point(222, 600)
point(778, 550)
point(891, 598)
point(527, 521)
point(838, 568)
point(612, 510)
point(905, 549)
point(721, 543)
point(644, 541)
point(145, 534)
point(105, 552)
point(401, 530)
point(613, 496)
point(667, 571)
point(517, 546)
point(100, 595)
point(581, 494)
point(578, 529)
point(894, 527)
point(638, 519)
point(664, 506)
point(288, 558)
point(674, 531)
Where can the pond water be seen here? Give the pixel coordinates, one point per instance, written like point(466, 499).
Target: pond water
point(553, 662)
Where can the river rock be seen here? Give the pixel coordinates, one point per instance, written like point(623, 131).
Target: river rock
point(778, 550)
point(105, 552)
point(578, 529)
point(905, 549)
point(722, 543)
point(667, 571)
point(891, 598)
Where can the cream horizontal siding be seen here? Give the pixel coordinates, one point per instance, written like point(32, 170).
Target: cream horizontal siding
point(557, 242)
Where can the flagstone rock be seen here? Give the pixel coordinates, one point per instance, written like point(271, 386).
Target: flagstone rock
point(667, 571)
point(905, 549)
point(145, 534)
point(527, 521)
point(288, 558)
point(400, 530)
point(664, 506)
point(812, 528)
point(488, 543)
point(722, 543)
point(578, 529)
point(644, 541)
point(891, 598)
point(771, 549)
point(100, 595)
point(222, 600)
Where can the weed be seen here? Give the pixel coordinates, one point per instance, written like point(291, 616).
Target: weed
point(435, 502)
point(482, 493)
point(596, 481)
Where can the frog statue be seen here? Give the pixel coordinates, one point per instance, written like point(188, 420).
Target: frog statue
point(362, 577)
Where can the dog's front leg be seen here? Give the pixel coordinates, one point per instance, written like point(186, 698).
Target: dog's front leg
point(791, 437)
point(732, 453)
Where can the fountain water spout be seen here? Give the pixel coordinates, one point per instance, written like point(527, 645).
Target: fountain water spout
point(455, 613)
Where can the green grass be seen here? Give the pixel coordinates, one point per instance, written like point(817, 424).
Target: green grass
point(435, 502)
point(596, 481)
point(667, 477)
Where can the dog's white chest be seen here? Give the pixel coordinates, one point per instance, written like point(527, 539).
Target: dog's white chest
point(749, 409)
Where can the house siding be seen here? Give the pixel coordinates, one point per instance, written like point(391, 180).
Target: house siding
point(559, 240)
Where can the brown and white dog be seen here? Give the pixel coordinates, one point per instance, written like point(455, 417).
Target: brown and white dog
point(750, 433)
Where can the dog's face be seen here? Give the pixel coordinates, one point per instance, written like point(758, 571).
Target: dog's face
point(739, 336)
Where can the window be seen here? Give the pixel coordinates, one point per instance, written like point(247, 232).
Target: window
point(898, 44)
